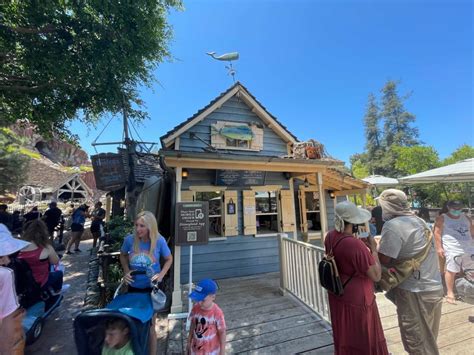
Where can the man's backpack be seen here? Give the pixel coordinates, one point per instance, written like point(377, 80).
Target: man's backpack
point(329, 274)
point(27, 289)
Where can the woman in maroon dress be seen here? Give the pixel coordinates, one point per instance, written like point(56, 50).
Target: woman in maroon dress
point(354, 316)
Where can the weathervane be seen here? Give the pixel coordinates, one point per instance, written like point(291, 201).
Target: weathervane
point(228, 57)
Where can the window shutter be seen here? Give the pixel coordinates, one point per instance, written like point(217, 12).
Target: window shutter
point(230, 221)
point(217, 141)
point(187, 196)
point(303, 217)
point(250, 218)
point(286, 211)
point(257, 141)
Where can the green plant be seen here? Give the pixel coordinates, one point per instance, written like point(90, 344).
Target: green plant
point(119, 227)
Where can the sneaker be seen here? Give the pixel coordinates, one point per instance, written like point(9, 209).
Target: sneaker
point(68, 252)
point(77, 250)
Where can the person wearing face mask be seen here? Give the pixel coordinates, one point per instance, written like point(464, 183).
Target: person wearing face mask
point(453, 238)
point(355, 317)
point(420, 297)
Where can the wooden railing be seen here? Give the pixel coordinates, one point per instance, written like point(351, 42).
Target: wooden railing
point(299, 274)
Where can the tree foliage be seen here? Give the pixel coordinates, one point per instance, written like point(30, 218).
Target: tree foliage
point(398, 122)
point(13, 162)
point(415, 159)
point(463, 152)
point(380, 154)
point(61, 58)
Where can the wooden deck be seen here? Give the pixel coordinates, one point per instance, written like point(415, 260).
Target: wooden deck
point(261, 321)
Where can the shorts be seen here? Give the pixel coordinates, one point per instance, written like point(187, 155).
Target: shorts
point(76, 227)
point(454, 263)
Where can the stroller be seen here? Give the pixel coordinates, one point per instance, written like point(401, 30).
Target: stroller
point(465, 284)
point(136, 309)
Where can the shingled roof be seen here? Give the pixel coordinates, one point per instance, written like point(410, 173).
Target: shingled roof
point(145, 165)
point(44, 174)
point(237, 84)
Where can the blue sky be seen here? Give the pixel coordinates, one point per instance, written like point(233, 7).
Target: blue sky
point(312, 64)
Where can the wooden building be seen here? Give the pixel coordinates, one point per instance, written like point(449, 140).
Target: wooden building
point(233, 152)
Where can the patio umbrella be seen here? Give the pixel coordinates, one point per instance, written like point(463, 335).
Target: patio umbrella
point(462, 171)
point(379, 180)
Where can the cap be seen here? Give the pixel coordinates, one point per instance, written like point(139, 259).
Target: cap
point(203, 289)
point(349, 212)
point(456, 204)
point(8, 244)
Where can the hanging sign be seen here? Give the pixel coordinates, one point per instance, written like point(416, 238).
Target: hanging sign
point(108, 171)
point(192, 223)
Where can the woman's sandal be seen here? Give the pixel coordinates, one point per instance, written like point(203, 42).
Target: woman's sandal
point(451, 300)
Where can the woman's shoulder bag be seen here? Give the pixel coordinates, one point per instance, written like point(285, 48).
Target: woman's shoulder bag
point(328, 273)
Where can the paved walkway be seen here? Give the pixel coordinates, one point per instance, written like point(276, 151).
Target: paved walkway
point(58, 334)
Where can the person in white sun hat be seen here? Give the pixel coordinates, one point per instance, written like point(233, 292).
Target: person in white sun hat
point(354, 315)
point(12, 339)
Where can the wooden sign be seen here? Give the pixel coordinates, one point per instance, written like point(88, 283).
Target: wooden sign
point(108, 171)
point(239, 178)
point(192, 223)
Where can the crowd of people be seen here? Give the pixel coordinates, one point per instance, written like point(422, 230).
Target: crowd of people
point(405, 245)
point(361, 262)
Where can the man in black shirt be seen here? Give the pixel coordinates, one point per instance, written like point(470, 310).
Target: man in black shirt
point(51, 217)
point(5, 216)
point(97, 215)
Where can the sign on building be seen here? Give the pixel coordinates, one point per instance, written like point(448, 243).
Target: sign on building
point(108, 171)
point(192, 223)
point(239, 178)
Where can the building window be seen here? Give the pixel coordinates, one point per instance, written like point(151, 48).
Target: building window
point(266, 212)
point(215, 211)
point(237, 143)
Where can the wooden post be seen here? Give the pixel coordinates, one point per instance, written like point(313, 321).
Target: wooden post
point(322, 206)
point(177, 304)
point(281, 248)
point(292, 189)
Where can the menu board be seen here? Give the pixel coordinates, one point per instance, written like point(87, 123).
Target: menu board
point(192, 223)
point(239, 178)
point(108, 171)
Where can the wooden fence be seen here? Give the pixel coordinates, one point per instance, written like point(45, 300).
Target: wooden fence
point(299, 274)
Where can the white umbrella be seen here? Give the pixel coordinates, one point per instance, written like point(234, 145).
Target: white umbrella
point(379, 180)
point(462, 171)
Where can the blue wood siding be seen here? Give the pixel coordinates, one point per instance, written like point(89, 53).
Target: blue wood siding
point(236, 256)
point(233, 110)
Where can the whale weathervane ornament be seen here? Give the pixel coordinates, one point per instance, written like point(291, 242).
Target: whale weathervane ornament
point(228, 57)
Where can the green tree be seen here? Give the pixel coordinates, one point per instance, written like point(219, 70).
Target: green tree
point(13, 163)
point(66, 59)
point(398, 122)
point(415, 159)
point(465, 151)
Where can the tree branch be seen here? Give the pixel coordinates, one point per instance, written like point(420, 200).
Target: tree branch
point(23, 88)
point(31, 30)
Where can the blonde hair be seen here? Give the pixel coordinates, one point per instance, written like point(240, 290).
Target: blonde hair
point(149, 221)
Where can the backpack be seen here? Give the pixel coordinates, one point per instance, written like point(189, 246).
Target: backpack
point(329, 275)
point(27, 289)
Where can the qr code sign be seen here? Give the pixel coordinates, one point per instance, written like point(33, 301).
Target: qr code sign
point(192, 236)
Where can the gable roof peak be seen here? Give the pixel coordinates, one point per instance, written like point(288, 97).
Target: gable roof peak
point(237, 87)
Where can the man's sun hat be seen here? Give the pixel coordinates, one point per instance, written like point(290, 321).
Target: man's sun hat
point(349, 212)
point(203, 289)
point(456, 204)
point(8, 244)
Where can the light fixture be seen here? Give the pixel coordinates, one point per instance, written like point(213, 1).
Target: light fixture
point(287, 175)
point(306, 182)
point(184, 173)
point(331, 194)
